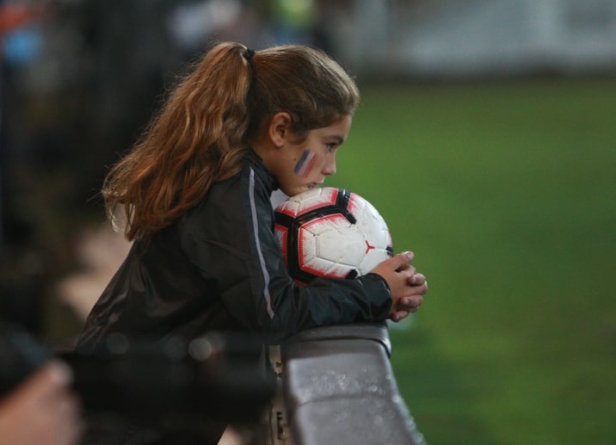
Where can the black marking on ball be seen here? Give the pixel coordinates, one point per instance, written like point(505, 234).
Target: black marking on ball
point(341, 206)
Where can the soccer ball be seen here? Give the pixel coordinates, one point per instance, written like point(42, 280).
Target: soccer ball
point(331, 232)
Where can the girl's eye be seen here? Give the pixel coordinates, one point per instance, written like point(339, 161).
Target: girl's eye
point(330, 146)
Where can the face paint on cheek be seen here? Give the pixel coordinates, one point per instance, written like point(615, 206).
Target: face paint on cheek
point(305, 164)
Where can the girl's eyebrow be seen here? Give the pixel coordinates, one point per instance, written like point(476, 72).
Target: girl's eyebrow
point(339, 139)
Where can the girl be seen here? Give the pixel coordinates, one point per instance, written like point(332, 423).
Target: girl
point(196, 191)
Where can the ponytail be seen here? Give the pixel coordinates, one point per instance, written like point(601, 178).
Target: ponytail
point(198, 138)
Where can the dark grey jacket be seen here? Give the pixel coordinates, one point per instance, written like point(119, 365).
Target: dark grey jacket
point(220, 268)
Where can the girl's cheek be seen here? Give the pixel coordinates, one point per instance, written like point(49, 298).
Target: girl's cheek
point(305, 164)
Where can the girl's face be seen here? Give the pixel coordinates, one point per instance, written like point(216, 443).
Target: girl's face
point(302, 164)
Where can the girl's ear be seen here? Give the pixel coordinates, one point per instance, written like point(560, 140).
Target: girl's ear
point(279, 129)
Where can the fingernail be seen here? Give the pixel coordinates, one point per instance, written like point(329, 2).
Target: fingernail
point(409, 254)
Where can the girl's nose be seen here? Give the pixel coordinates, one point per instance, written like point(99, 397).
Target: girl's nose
point(330, 167)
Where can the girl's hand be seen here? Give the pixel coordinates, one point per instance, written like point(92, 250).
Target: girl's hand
point(407, 286)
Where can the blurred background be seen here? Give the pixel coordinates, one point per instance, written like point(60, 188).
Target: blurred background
point(486, 137)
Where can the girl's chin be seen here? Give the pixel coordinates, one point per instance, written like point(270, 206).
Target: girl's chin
point(301, 189)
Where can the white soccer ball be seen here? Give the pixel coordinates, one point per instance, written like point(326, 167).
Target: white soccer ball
point(331, 232)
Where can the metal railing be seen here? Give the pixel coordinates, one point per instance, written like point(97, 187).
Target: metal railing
point(338, 387)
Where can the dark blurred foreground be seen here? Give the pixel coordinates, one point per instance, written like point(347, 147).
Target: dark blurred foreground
point(170, 389)
point(325, 385)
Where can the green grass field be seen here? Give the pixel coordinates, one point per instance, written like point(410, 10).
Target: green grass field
point(506, 192)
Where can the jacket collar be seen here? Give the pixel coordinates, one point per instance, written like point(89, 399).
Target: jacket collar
point(256, 162)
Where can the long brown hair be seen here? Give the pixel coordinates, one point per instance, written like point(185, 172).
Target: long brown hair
point(201, 134)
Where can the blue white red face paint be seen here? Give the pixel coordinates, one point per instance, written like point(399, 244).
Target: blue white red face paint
point(305, 163)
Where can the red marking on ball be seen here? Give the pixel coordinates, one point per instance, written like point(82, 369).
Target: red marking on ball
point(369, 247)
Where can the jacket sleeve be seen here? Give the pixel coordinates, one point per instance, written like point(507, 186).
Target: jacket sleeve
point(236, 250)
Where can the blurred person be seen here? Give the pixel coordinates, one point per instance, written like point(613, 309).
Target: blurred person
point(20, 265)
point(196, 195)
point(42, 410)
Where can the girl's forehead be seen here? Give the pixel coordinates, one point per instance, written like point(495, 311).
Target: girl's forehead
point(339, 130)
